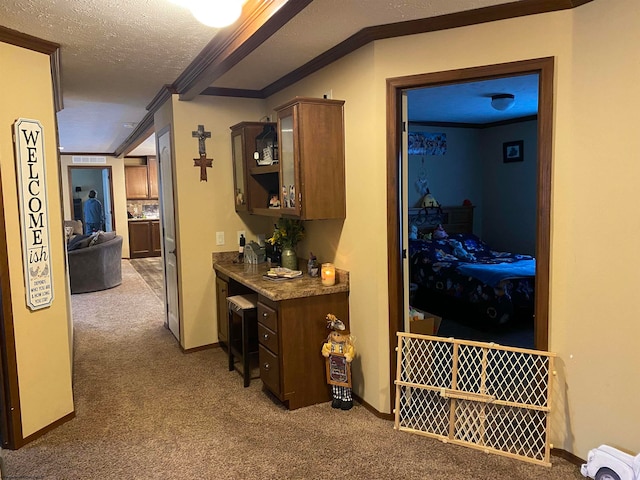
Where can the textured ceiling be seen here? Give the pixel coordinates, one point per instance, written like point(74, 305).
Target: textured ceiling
point(324, 24)
point(117, 54)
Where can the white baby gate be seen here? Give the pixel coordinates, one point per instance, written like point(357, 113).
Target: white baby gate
point(480, 395)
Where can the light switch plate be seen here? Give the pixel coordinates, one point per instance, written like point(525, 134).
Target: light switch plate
point(219, 238)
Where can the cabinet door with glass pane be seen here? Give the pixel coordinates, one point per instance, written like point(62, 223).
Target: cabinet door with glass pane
point(312, 174)
point(239, 171)
point(290, 192)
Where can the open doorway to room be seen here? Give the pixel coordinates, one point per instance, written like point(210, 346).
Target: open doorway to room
point(471, 210)
point(398, 262)
point(84, 179)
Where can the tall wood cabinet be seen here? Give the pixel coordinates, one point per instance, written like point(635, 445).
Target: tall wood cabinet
point(309, 178)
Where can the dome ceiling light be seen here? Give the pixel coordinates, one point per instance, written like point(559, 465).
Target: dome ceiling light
point(213, 13)
point(503, 101)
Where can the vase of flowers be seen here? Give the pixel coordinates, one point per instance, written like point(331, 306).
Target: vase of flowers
point(288, 232)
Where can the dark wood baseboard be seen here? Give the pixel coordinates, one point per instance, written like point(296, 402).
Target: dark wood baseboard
point(384, 416)
point(42, 431)
point(569, 457)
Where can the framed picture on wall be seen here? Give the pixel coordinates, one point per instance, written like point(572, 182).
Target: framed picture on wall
point(513, 151)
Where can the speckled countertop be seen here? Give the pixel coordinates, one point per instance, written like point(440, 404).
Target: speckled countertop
point(251, 275)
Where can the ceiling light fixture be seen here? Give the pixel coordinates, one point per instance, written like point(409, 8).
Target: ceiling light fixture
point(503, 101)
point(213, 13)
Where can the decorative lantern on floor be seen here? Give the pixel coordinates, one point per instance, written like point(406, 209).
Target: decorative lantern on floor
point(267, 146)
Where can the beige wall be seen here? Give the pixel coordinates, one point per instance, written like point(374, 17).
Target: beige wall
point(119, 196)
point(41, 336)
point(204, 208)
point(593, 319)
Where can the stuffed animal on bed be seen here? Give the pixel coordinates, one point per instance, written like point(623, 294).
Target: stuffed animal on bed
point(439, 233)
point(460, 252)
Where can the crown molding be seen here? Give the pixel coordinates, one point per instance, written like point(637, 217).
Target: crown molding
point(161, 97)
point(426, 123)
point(411, 27)
point(259, 20)
point(139, 134)
point(233, 92)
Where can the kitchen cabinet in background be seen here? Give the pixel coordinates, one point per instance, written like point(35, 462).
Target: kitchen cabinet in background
point(141, 181)
point(144, 238)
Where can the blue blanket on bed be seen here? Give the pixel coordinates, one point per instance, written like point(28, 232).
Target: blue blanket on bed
point(493, 274)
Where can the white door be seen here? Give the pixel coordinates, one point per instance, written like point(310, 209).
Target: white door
point(404, 234)
point(108, 206)
point(169, 256)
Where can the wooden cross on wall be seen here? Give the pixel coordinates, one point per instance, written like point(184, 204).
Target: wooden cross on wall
point(203, 162)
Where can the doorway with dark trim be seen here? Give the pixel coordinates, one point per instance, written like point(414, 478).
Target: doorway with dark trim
point(544, 67)
point(83, 179)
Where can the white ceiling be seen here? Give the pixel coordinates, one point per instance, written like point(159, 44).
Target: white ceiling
point(117, 55)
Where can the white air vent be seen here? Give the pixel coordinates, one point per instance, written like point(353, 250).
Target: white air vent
point(88, 160)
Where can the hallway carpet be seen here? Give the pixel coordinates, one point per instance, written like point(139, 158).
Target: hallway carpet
point(146, 410)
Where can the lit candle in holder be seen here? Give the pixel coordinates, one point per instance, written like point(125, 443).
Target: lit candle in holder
point(328, 273)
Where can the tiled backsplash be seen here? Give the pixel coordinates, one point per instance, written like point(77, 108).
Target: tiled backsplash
point(143, 209)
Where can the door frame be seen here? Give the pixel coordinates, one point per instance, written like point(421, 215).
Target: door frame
point(544, 67)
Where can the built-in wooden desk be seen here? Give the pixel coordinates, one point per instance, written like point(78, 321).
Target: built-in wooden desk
point(292, 326)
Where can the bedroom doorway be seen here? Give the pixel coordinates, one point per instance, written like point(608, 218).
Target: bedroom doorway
point(397, 262)
point(454, 156)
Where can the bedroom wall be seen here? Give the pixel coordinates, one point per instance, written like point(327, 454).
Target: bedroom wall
point(509, 192)
point(504, 194)
point(594, 141)
point(42, 337)
point(454, 176)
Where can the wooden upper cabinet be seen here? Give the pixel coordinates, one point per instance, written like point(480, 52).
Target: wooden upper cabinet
point(152, 171)
point(141, 181)
point(311, 143)
point(136, 183)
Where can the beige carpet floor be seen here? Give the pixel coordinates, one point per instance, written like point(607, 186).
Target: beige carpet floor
point(145, 410)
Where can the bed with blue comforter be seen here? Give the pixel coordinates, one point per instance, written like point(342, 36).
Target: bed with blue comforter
point(464, 270)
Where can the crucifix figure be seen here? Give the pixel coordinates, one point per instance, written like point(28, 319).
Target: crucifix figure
point(203, 162)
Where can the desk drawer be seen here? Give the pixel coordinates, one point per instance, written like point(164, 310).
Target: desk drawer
point(268, 317)
point(269, 370)
point(267, 338)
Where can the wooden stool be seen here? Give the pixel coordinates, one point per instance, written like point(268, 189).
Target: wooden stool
point(243, 332)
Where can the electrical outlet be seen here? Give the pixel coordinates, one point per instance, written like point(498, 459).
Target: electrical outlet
point(241, 232)
point(328, 94)
point(219, 238)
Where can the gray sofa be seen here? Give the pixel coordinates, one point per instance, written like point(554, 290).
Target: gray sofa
point(96, 267)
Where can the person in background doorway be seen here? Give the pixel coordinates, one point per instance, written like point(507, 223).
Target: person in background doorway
point(93, 214)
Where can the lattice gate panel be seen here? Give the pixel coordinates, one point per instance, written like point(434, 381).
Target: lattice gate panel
point(480, 395)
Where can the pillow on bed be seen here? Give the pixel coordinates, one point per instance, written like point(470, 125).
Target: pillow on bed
point(471, 243)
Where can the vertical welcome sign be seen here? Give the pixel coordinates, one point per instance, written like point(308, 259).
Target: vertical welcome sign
point(34, 215)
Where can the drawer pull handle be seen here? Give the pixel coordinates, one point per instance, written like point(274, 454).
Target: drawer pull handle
point(265, 314)
point(267, 366)
point(266, 336)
